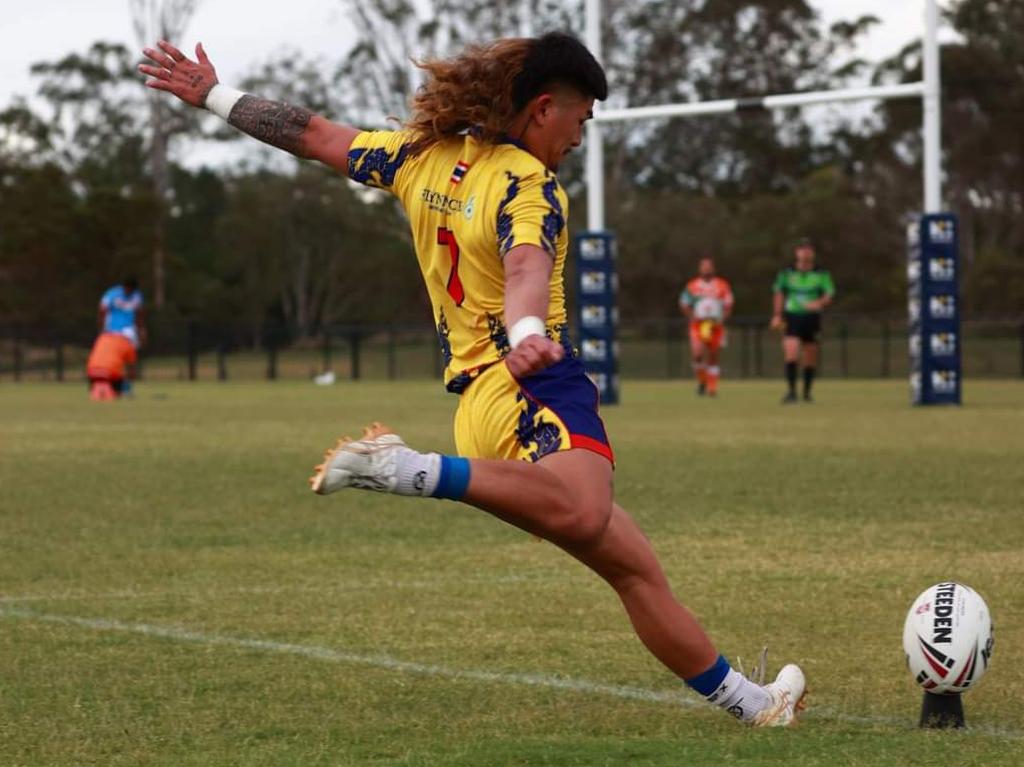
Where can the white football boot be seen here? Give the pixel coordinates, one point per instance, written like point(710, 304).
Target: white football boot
point(367, 463)
point(788, 693)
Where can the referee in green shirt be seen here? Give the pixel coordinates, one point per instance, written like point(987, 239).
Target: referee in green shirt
point(801, 292)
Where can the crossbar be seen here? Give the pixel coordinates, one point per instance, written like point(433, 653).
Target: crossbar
point(929, 91)
point(782, 101)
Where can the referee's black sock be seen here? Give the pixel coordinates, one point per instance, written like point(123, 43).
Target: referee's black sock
point(791, 377)
point(808, 380)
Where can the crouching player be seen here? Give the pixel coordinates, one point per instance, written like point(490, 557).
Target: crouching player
point(111, 366)
point(707, 303)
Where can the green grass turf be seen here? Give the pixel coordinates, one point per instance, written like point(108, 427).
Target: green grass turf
point(146, 545)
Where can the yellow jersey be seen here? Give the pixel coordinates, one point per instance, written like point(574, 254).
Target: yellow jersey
point(468, 204)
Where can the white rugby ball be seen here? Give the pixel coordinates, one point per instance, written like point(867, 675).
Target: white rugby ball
point(947, 638)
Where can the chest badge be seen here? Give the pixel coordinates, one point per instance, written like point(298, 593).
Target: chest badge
point(459, 173)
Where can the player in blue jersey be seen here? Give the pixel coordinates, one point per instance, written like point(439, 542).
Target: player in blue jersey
point(475, 169)
point(121, 311)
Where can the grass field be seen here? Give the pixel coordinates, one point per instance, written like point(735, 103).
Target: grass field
point(172, 594)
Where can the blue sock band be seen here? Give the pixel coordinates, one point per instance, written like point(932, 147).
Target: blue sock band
point(709, 681)
point(454, 478)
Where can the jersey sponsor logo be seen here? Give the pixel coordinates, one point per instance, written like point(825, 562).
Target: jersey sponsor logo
point(440, 202)
point(469, 208)
point(709, 308)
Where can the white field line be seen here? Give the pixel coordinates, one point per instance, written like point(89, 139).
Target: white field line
point(332, 588)
point(340, 656)
point(568, 684)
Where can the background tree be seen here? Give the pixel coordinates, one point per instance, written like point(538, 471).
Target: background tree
point(161, 20)
point(75, 198)
point(272, 239)
point(983, 147)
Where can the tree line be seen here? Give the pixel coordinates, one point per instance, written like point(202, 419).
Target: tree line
point(269, 238)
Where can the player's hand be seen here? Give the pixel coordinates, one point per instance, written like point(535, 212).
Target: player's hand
point(532, 355)
point(191, 81)
point(777, 323)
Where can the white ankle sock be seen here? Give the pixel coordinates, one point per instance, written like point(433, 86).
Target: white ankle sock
point(418, 473)
point(739, 696)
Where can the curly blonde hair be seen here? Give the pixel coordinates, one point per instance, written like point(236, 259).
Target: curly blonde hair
point(483, 88)
point(471, 90)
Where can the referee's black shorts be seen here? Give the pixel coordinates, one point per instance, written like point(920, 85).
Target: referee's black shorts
point(806, 327)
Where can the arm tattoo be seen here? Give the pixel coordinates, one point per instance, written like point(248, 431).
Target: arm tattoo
point(272, 122)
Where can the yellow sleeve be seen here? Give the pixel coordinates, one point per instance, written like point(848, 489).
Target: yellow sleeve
point(375, 157)
point(532, 212)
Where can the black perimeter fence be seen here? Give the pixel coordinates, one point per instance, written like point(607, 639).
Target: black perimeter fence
point(852, 346)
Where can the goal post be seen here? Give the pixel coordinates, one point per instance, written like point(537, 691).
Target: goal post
point(929, 90)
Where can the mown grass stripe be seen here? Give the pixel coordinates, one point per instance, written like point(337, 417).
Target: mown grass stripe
point(424, 669)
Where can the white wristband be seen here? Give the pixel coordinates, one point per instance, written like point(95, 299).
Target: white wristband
point(523, 328)
point(221, 100)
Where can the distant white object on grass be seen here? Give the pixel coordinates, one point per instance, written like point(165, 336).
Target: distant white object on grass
point(325, 379)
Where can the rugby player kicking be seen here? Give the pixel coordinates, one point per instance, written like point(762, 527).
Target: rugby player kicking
point(474, 169)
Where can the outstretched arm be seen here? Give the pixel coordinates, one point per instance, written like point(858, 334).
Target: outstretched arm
point(293, 129)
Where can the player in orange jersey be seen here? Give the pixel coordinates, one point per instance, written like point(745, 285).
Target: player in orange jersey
point(111, 363)
point(707, 303)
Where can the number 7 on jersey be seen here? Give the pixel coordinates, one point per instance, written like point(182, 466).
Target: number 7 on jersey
point(455, 289)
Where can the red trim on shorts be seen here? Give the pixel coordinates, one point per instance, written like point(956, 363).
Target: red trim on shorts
point(593, 445)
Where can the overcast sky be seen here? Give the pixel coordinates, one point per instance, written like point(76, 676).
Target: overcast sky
point(235, 39)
